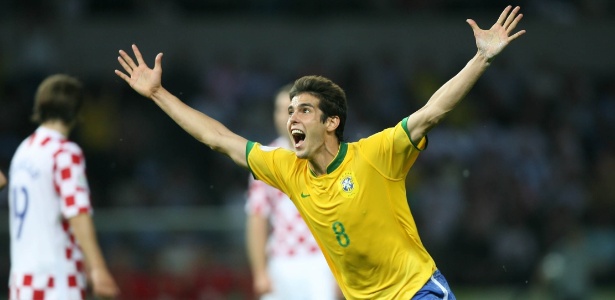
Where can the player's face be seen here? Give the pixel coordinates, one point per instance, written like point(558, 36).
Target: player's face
point(304, 126)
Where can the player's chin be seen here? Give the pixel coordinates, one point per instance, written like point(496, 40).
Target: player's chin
point(301, 153)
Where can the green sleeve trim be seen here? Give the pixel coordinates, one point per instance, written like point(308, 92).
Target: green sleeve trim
point(404, 125)
point(249, 146)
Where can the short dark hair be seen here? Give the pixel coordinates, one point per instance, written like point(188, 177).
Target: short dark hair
point(332, 98)
point(58, 97)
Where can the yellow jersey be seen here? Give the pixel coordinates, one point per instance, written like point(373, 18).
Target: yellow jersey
point(358, 212)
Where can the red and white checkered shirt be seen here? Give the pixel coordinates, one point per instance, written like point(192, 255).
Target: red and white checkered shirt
point(47, 186)
point(290, 236)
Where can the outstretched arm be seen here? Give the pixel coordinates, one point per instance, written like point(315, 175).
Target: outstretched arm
point(489, 43)
point(208, 131)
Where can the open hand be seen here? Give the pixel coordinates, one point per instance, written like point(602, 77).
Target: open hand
point(140, 77)
point(491, 42)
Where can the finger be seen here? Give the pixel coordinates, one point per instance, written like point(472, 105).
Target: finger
point(158, 62)
point(511, 17)
point(514, 24)
point(127, 68)
point(503, 15)
point(473, 24)
point(138, 54)
point(122, 75)
point(516, 35)
point(128, 59)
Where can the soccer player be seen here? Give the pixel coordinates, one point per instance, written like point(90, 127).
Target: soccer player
point(49, 205)
point(276, 256)
point(351, 195)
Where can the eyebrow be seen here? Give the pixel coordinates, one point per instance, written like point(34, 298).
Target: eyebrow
point(301, 105)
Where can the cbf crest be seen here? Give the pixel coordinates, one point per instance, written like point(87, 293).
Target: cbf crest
point(348, 184)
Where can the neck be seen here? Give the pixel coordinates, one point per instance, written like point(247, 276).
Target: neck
point(319, 164)
point(59, 126)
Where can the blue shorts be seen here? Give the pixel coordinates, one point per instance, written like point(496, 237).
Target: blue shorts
point(435, 288)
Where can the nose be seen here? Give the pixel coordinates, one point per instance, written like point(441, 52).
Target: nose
point(292, 118)
point(289, 122)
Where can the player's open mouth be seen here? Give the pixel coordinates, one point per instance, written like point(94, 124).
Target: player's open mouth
point(298, 137)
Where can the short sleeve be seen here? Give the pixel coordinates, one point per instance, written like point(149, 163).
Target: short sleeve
point(271, 165)
point(391, 151)
point(71, 182)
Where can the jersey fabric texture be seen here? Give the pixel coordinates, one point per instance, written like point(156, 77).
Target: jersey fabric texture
point(290, 236)
point(47, 187)
point(358, 211)
point(290, 247)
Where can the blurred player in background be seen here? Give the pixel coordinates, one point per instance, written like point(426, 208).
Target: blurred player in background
point(286, 264)
point(351, 195)
point(49, 205)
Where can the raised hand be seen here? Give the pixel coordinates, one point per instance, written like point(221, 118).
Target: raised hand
point(140, 77)
point(491, 42)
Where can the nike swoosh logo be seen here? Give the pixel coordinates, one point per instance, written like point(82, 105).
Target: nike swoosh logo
point(304, 195)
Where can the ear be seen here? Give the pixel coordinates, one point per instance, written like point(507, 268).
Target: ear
point(332, 123)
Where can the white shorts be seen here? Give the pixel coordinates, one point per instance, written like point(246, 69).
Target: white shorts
point(305, 278)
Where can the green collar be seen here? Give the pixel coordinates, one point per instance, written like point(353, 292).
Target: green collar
point(337, 161)
point(339, 158)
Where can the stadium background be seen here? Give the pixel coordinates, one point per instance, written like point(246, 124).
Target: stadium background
point(514, 197)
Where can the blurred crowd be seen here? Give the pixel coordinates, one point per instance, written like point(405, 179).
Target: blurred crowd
point(561, 10)
point(514, 188)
